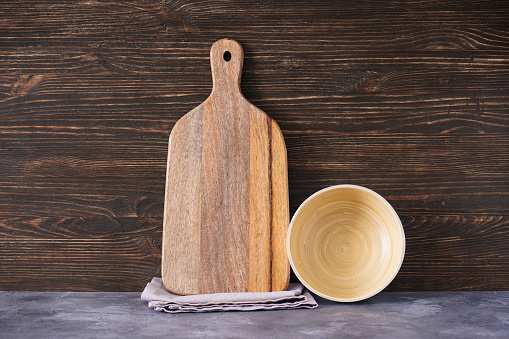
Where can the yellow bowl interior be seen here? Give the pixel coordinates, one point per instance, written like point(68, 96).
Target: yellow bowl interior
point(346, 243)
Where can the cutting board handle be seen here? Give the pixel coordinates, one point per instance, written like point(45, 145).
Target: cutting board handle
point(226, 60)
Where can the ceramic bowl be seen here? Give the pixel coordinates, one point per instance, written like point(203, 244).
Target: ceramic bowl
point(346, 243)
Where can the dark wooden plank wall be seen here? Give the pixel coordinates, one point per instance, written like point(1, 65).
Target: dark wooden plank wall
point(409, 98)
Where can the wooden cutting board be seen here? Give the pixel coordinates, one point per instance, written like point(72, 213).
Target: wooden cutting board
point(226, 209)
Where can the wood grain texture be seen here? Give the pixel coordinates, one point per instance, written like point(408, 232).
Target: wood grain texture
point(410, 99)
point(224, 222)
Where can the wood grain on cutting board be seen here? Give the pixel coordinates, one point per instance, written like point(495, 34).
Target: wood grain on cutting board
point(226, 203)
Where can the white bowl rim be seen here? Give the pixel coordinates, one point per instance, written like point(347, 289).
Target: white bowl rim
point(390, 208)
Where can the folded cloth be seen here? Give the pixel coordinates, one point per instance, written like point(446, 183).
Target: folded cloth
point(161, 300)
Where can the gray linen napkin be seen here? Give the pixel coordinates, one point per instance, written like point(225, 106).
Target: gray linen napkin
point(161, 300)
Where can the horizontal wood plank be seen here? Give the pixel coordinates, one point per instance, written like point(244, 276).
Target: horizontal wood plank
point(79, 264)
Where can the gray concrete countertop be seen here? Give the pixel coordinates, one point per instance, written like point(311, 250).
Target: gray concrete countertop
point(386, 315)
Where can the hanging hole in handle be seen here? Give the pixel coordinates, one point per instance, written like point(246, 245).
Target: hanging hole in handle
point(227, 56)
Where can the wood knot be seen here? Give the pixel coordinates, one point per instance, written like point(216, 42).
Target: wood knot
point(174, 21)
point(24, 84)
